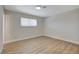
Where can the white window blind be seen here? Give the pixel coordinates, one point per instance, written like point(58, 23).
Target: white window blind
point(28, 22)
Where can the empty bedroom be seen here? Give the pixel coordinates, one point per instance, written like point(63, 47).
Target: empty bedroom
point(41, 29)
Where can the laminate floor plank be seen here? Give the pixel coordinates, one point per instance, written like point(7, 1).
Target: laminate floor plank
point(41, 45)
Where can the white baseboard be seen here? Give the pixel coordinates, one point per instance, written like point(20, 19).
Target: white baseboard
point(14, 40)
point(75, 42)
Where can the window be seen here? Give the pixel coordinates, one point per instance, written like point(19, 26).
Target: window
point(28, 22)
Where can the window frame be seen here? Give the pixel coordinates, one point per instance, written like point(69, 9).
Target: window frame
point(29, 19)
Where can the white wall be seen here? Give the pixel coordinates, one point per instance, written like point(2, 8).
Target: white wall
point(63, 26)
point(1, 28)
point(15, 32)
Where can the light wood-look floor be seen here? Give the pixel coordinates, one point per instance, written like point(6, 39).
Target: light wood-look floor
point(41, 45)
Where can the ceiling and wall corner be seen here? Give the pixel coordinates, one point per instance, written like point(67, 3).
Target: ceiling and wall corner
point(49, 10)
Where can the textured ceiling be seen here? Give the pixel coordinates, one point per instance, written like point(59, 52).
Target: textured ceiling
point(48, 11)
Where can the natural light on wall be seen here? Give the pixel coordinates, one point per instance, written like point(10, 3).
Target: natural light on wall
point(28, 22)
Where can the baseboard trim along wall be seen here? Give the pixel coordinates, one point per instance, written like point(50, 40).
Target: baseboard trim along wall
point(15, 40)
point(75, 42)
